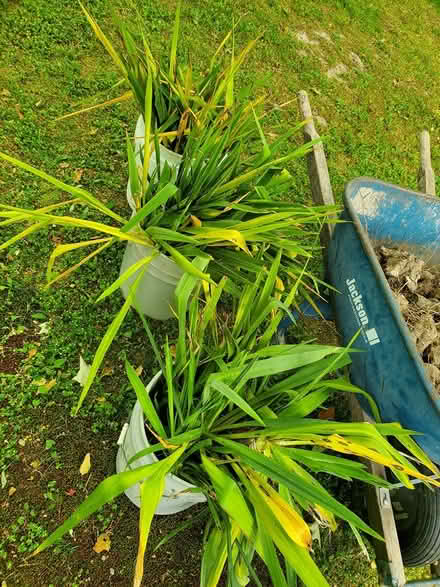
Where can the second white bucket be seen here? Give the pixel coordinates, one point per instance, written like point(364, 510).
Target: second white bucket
point(174, 499)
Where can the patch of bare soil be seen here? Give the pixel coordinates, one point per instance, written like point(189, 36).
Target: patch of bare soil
point(10, 352)
point(416, 288)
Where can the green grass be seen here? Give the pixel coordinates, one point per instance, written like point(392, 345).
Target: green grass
point(51, 64)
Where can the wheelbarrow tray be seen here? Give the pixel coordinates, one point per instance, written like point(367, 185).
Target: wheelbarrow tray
point(390, 369)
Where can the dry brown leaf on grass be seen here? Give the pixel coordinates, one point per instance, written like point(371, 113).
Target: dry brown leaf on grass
point(103, 543)
point(77, 175)
point(85, 465)
point(107, 371)
point(47, 386)
point(327, 414)
point(11, 491)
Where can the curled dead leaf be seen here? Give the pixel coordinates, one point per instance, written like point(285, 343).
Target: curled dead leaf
point(32, 353)
point(47, 386)
point(103, 543)
point(85, 465)
point(107, 371)
point(77, 175)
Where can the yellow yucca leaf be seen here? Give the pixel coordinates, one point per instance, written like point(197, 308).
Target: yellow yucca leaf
point(136, 237)
point(148, 113)
point(215, 553)
point(279, 284)
point(23, 234)
point(81, 193)
point(75, 267)
point(151, 491)
point(123, 98)
point(206, 289)
point(220, 47)
point(21, 217)
point(233, 236)
point(231, 71)
point(104, 40)
point(195, 221)
point(174, 40)
point(62, 249)
point(343, 445)
point(292, 523)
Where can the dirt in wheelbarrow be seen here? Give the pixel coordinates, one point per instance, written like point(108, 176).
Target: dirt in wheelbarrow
point(416, 287)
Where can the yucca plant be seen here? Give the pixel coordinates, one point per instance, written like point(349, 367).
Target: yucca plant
point(233, 417)
point(180, 99)
point(224, 205)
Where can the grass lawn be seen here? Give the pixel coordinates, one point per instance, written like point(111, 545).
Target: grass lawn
point(371, 112)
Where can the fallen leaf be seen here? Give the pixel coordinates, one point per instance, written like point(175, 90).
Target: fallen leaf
point(64, 165)
point(38, 104)
point(57, 240)
point(328, 414)
point(107, 371)
point(93, 131)
point(48, 386)
point(11, 491)
point(18, 111)
point(35, 464)
point(139, 370)
point(85, 466)
point(83, 373)
point(22, 442)
point(103, 542)
point(44, 328)
point(71, 492)
point(40, 382)
point(3, 479)
point(32, 353)
point(77, 175)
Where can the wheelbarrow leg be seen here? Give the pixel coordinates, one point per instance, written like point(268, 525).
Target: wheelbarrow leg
point(322, 192)
point(426, 173)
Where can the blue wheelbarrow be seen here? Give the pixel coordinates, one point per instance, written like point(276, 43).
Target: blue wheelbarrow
point(390, 368)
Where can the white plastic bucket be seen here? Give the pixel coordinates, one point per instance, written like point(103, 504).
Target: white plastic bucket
point(155, 294)
point(135, 440)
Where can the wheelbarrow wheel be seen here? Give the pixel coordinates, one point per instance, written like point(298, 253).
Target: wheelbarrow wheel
point(417, 515)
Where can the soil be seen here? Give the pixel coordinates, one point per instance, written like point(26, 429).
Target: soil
point(11, 353)
point(416, 288)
